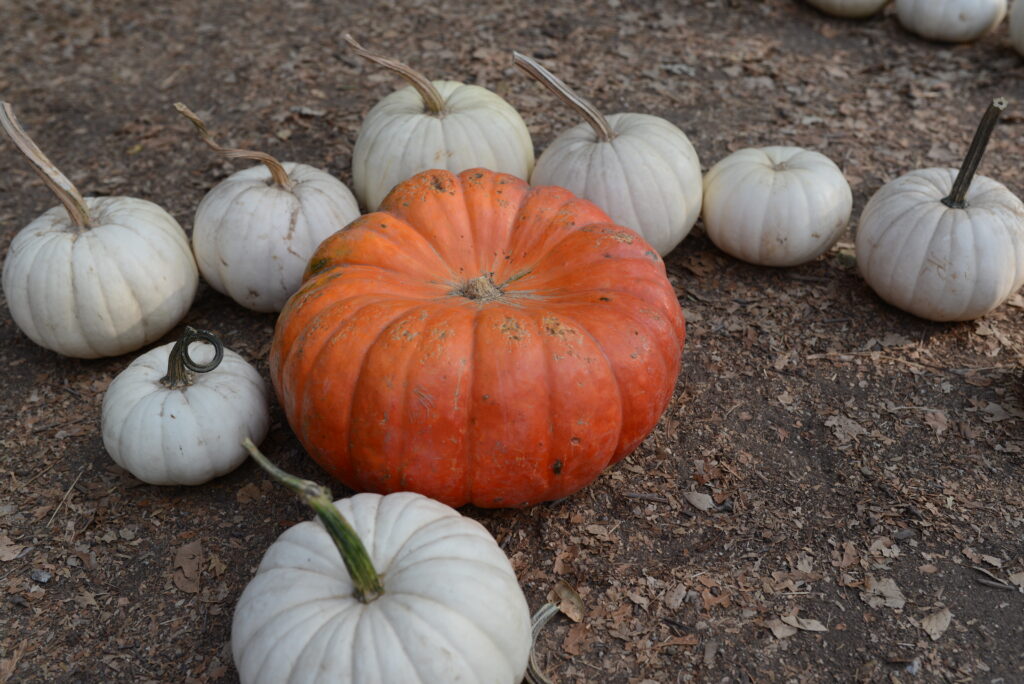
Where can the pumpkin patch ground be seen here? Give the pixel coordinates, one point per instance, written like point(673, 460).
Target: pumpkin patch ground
point(836, 491)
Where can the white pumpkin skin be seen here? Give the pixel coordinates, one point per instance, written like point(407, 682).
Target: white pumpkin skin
point(853, 9)
point(253, 238)
point(399, 139)
point(646, 178)
point(102, 291)
point(184, 436)
point(451, 611)
point(1017, 26)
point(951, 21)
point(937, 262)
point(776, 206)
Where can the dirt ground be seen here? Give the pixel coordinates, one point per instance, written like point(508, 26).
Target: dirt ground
point(866, 467)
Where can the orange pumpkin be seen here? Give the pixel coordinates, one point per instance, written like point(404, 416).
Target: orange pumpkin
point(478, 341)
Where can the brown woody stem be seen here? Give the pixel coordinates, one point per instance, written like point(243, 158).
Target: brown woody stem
point(180, 365)
point(957, 198)
point(275, 167)
point(566, 94)
point(432, 99)
point(365, 580)
point(480, 288)
point(63, 188)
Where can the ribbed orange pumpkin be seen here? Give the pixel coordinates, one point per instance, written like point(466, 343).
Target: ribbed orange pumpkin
point(478, 341)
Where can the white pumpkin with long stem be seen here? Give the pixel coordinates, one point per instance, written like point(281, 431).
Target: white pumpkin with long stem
point(434, 125)
point(950, 21)
point(255, 231)
point(641, 169)
point(1017, 26)
point(944, 244)
point(97, 276)
point(851, 9)
point(776, 206)
point(174, 419)
point(386, 589)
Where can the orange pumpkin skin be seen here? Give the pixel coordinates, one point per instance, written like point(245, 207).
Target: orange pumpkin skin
point(478, 341)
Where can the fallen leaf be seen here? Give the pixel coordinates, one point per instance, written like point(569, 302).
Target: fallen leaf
point(8, 549)
point(187, 560)
point(674, 597)
point(576, 637)
point(248, 493)
point(850, 555)
point(568, 601)
point(806, 624)
point(86, 599)
point(699, 500)
point(780, 629)
point(937, 623)
point(883, 546)
point(1017, 578)
point(845, 429)
point(938, 421)
point(883, 592)
point(993, 561)
point(8, 665)
point(928, 569)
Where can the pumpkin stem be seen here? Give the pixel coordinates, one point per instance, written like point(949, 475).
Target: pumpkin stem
point(595, 118)
point(180, 365)
point(957, 198)
point(480, 288)
point(275, 167)
point(58, 183)
point(433, 101)
point(365, 579)
point(565, 595)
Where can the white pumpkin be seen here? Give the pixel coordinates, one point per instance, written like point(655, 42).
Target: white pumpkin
point(641, 169)
point(951, 21)
point(254, 232)
point(776, 206)
point(386, 589)
point(171, 418)
point(434, 125)
point(940, 246)
point(853, 9)
point(1017, 26)
point(100, 276)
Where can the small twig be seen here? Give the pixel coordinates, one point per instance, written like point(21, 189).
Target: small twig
point(994, 585)
point(66, 495)
point(37, 475)
point(644, 496)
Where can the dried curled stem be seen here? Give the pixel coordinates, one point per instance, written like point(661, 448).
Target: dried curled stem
point(432, 99)
point(588, 111)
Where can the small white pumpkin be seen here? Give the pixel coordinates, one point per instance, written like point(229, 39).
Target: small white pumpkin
point(937, 245)
point(166, 425)
point(641, 169)
point(434, 125)
point(1017, 26)
point(99, 276)
point(254, 232)
point(776, 206)
point(386, 589)
point(951, 21)
point(852, 9)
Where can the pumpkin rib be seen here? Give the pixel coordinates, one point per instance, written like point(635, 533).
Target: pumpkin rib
point(396, 639)
point(86, 297)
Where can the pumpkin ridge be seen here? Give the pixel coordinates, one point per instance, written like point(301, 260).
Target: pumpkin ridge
point(116, 253)
point(946, 221)
point(386, 216)
point(336, 626)
point(396, 639)
point(81, 251)
point(76, 312)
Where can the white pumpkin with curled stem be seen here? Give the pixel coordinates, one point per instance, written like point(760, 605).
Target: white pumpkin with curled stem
point(639, 168)
point(97, 276)
point(388, 589)
point(174, 419)
point(434, 125)
point(944, 244)
point(776, 206)
point(255, 231)
point(850, 9)
point(950, 21)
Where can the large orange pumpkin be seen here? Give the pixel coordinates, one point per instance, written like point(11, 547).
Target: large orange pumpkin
point(478, 341)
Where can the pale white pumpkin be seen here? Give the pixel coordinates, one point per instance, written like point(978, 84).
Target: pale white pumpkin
point(99, 276)
point(641, 169)
point(853, 9)
point(951, 21)
point(1017, 26)
point(940, 246)
point(254, 232)
point(776, 206)
point(178, 417)
point(434, 125)
point(426, 596)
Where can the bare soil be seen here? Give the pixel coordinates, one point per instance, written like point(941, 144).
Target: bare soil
point(849, 448)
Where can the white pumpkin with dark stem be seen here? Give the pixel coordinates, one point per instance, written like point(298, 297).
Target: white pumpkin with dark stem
point(173, 419)
point(943, 244)
point(255, 231)
point(851, 9)
point(386, 589)
point(776, 206)
point(434, 125)
point(950, 21)
point(641, 169)
point(99, 276)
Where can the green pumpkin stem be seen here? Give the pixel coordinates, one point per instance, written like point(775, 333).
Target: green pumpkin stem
point(180, 365)
point(588, 111)
point(957, 198)
point(58, 183)
point(275, 167)
point(364, 576)
point(433, 101)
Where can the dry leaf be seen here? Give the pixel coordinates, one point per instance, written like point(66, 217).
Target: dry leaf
point(806, 624)
point(938, 421)
point(249, 492)
point(187, 560)
point(568, 601)
point(780, 629)
point(883, 592)
point(993, 561)
point(928, 568)
point(937, 623)
point(8, 549)
point(674, 597)
point(699, 500)
point(576, 637)
point(9, 665)
point(850, 555)
point(845, 429)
